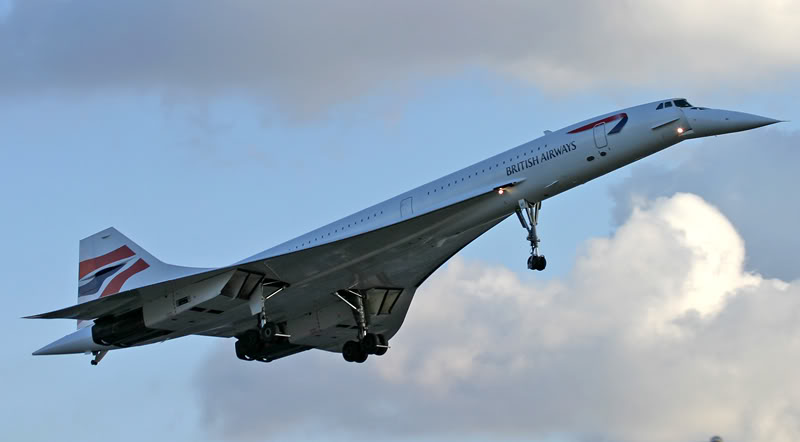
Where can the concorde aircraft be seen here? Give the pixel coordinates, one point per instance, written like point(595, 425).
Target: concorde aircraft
point(346, 287)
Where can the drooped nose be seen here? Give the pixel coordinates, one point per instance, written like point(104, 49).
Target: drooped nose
point(738, 121)
point(707, 122)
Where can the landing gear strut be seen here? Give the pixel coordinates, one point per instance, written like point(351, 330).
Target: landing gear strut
point(531, 211)
point(98, 356)
point(367, 343)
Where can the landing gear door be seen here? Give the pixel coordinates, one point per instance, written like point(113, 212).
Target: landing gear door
point(600, 136)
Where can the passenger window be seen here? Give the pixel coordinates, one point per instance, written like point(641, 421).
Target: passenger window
point(668, 104)
point(660, 106)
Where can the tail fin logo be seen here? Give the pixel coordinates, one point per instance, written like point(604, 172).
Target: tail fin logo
point(93, 273)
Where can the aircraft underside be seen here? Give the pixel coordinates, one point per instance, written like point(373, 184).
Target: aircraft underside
point(356, 315)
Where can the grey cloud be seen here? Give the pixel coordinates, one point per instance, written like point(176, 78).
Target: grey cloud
point(308, 57)
point(673, 341)
point(751, 177)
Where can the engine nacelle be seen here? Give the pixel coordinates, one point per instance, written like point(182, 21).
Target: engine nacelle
point(124, 330)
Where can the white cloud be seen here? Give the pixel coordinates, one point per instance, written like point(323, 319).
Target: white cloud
point(749, 176)
point(657, 334)
point(307, 58)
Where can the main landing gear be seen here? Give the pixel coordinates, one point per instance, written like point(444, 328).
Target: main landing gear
point(531, 211)
point(367, 343)
point(253, 344)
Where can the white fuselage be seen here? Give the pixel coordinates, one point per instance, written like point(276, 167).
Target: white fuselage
point(544, 167)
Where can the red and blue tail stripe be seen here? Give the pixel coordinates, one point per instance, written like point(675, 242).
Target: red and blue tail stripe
point(118, 273)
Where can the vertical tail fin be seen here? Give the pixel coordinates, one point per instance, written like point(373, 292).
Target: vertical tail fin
point(108, 260)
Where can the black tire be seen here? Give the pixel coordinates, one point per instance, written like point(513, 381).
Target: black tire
point(541, 264)
point(531, 262)
point(250, 340)
point(240, 352)
point(361, 356)
point(268, 332)
point(382, 350)
point(369, 344)
point(350, 350)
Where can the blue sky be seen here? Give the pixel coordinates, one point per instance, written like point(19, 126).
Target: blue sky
point(204, 168)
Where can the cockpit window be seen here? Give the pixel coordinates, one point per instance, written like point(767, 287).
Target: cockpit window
point(660, 106)
point(682, 103)
point(668, 104)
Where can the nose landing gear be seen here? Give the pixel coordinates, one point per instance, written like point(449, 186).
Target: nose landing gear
point(531, 211)
point(537, 262)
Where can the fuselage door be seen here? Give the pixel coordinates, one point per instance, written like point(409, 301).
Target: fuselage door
point(407, 208)
point(600, 136)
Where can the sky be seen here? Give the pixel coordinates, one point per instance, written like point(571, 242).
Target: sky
point(210, 131)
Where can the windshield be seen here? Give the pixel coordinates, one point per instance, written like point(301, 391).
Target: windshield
point(682, 103)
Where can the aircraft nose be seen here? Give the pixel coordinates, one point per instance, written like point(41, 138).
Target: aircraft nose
point(739, 121)
point(707, 122)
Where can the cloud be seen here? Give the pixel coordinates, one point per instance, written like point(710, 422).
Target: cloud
point(306, 58)
point(658, 333)
point(750, 177)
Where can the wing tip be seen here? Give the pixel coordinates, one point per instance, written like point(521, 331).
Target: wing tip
point(48, 315)
point(39, 316)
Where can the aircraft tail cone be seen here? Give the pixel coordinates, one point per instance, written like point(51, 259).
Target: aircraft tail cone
point(79, 342)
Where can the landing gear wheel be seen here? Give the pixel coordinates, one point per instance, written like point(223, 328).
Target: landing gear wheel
point(248, 345)
point(361, 357)
point(268, 332)
point(537, 262)
point(383, 347)
point(250, 339)
point(370, 344)
point(354, 352)
point(351, 351)
point(241, 353)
